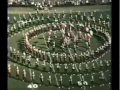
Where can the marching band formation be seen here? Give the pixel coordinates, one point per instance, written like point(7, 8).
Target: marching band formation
point(65, 31)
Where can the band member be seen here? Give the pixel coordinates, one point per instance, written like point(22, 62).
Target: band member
point(80, 68)
point(104, 23)
point(86, 68)
point(93, 67)
point(44, 55)
point(29, 60)
point(49, 80)
point(22, 24)
point(88, 39)
point(18, 57)
point(92, 81)
point(38, 20)
point(51, 67)
point(49, 42)
point(85, 83)
point(19, 26)
point(101, 65)
point(39, 54)
point(63, 33)
point(42, 19)
point(75, 57)
point(33, 76)
point(30, 15)
point(68, 88)
point(24, 17)
point(91, 32)
point(11, 31)
point(107, 63)
point(65, 58)
point(50, 33)
point(14, 53)
point(108, 25)
point(17, 72)
point(101, 17)
point(37, 63)
point(108, 18)
point(8, 18)
point(84, 16)
point(9, 69)
point(14, 19)
point(61, 80)
point(24, 74)
point(57, 58)
point(63, 47)
point(91, 15)
point(11, 52)
point(80, 83)
point(53, 47)
point(69, 58)
point(66, 68)
point(92, 54)
point(48, 55)
point(44, 65)
point(102, 78)
point(58, 67)
point(53, 57)
point(71, 80)
point(30, 22)
point(73, 67)
point(54, 26)
point(80, 35)
point(41, 77)
point(33, 20)
point(61, 57)
point(24, 58)
point(55, 34)
point(94, 21)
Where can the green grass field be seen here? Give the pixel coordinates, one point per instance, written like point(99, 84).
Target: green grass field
point(14, 42)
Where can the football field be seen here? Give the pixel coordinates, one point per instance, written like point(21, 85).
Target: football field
point(17, 41)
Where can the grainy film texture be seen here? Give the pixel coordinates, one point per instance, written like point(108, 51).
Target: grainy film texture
point(59, 44)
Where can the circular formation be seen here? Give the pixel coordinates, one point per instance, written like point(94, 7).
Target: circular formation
point(67, 57)
point(62, 35)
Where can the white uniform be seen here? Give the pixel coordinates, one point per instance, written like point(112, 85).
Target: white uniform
point(66, 67)
point(79, 83)
point(17, 71)
point(9, 69)
point(61, 79)
point(102, 76)
point(41, 78)
point(33, 75)
point(49, 79)
point(92, 77)
point(24, 74)
point(73, 66)
point(71, 79)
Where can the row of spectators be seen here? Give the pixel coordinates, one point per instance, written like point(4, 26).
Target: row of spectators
point(55, 2)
